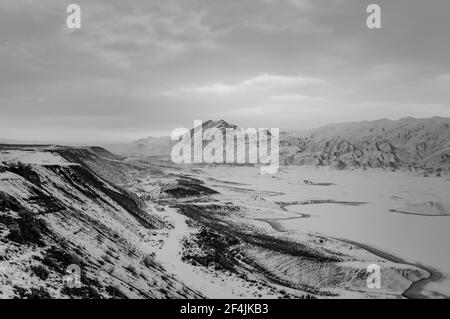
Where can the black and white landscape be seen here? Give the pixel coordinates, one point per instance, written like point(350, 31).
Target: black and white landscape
point(87, 176)
point(142, 227)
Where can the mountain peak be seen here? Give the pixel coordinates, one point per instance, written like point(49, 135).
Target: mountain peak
point(221, 124)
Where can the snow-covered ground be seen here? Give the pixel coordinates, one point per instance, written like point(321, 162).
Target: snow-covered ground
point(417, 231)
point(262, 216)
point(33, 157)
point(213, 284)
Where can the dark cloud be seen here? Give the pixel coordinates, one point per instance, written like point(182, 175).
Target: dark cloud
point(144, 67)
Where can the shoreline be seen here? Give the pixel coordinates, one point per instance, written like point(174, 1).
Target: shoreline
point(274, 222)
point(414, 291)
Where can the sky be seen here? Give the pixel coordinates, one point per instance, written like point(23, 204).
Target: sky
point(140, 68)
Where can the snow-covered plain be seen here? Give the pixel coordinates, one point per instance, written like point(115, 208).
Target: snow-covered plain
point(399, 213)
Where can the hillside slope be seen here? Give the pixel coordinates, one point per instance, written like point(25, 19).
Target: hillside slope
point(56, 211)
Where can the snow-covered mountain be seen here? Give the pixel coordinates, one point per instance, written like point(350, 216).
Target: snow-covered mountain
point(150, 146)
point(162, 146)
point(408, 142)
point(228, 132)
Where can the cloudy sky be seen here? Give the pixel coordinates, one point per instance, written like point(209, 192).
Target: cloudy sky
point(144, 67)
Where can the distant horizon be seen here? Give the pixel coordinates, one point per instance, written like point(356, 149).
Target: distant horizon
point(4, 140)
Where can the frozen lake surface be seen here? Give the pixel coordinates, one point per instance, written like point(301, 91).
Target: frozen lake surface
point(399, 213)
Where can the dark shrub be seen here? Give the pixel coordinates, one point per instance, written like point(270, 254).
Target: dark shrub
point(40, 293)
point(26, 171)
point(22, 292)
point(149, 262)
point(83, 292)
point(131, 269)
point(40, 271)
point(27, 229)
point(116, 293)
point(33, 293)
point(59, 259)
point(8, 203)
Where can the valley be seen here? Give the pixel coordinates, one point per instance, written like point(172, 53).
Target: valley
point(140, 228)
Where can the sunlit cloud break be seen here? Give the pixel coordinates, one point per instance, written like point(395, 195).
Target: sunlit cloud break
point(264, 81)
point(296, 98)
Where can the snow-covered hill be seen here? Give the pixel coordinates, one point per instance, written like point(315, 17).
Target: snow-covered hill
point(61, 207)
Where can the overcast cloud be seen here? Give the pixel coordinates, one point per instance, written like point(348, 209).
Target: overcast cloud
point(144, 67)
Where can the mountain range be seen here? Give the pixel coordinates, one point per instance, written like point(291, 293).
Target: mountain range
point(408, 142)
